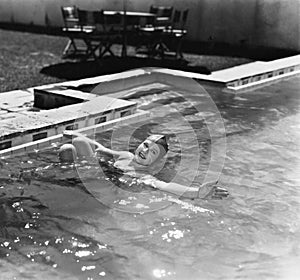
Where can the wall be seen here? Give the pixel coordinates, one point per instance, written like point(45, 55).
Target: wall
point(267, 23)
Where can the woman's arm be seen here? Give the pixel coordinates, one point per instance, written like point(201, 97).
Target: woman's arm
point(206, 190)
point(178, 189)
point(99, 147)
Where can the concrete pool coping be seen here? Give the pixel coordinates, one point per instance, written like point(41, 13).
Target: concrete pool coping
point(125, 85)
point(248, 75)
point(236, 78)
point(138, 116)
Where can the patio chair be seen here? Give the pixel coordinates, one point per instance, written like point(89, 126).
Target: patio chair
point(152, 35)
point(86, 21)
point(99, 32)
point(110, 28)
point(177, 30)
point(72, 30)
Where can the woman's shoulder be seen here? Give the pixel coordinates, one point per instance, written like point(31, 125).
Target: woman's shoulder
point(125, 155)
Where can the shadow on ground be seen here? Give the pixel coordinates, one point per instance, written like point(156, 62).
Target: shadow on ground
point(109, 65)
point(242, 50)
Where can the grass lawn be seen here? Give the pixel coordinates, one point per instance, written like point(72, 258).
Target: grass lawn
point(28, 59)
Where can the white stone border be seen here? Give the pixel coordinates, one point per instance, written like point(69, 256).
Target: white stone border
point(46, 142)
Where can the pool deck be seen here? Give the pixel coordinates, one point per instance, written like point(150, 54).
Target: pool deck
point(250, 75)
point(24, 127)
point(35, 117)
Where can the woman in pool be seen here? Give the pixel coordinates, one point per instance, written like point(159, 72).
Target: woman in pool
point(143, 164)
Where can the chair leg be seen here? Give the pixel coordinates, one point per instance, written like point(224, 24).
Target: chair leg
point(179, 54)
point(106, 48)
point(70, 47)
point(67, 47)
point(161, 48)
point(90, 49)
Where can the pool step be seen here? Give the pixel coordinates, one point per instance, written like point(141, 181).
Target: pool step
point(27, 125)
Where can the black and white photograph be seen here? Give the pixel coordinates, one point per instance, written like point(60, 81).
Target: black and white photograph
point(144, 140)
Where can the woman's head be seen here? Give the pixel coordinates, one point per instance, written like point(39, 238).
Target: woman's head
point(152, 149)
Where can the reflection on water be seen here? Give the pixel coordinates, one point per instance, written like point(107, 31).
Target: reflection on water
point(51, 227)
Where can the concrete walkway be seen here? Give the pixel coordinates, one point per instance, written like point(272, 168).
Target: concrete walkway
point(248, 75)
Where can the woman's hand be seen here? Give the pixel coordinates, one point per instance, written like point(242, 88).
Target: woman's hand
point(148, 180)
point(210, 190)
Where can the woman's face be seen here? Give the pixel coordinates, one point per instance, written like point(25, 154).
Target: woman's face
point(147, 153)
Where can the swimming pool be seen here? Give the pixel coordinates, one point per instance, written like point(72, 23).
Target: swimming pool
point(53, 228)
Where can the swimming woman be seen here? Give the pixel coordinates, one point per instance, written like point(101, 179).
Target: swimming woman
point(143, 164)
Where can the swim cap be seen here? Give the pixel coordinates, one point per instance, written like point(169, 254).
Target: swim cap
point(159, 139)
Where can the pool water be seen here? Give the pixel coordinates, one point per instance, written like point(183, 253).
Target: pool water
point(51, 227)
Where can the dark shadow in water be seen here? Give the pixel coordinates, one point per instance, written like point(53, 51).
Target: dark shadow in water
point(108, 65)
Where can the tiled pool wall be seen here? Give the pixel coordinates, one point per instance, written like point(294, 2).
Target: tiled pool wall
point(24, 129)
point(263, 78)
point(58, 137)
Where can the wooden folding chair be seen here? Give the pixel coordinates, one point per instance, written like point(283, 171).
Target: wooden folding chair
point(72, 30)
point(153, 35)
point(88, 27)
point(99, 32)
point(108, 31)
point(180, 33)
point(177, 30)
point(115, 30)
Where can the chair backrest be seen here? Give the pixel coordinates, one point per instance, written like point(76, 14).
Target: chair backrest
point(99, 17)
point(179, 19)
point(176, 16)
point(163, 15)
point(114, 22)
point(184, 17)
point(86, 18)
point(70, 16)
point(99, 21)
point(161, 11)
point(133, 22)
